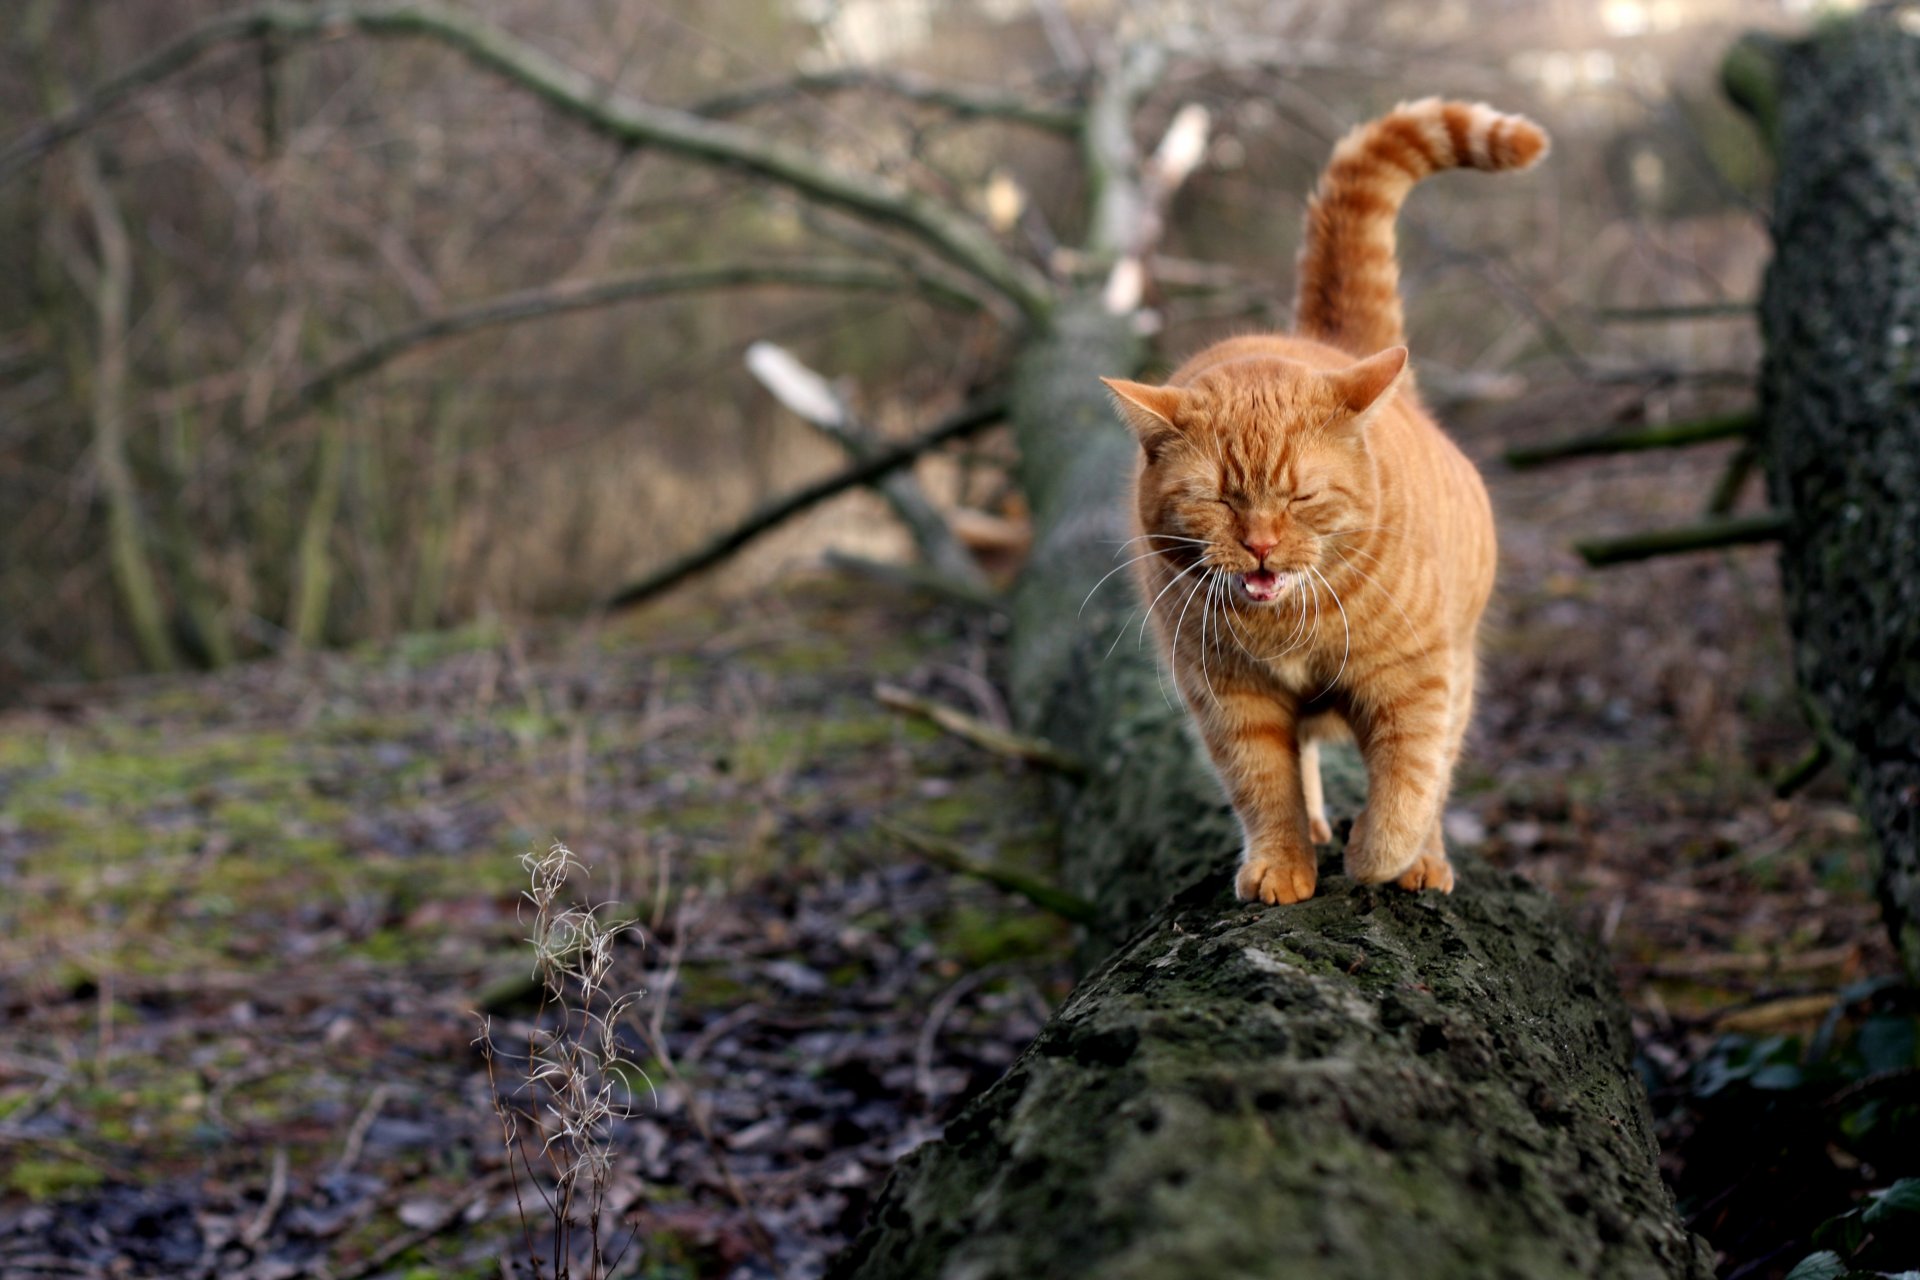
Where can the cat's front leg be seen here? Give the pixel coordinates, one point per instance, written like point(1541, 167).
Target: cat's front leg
point(1251, 736)
point(1405, 745)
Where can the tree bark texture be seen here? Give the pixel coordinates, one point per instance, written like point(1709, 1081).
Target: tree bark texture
point(1841, 394)
point(1369, 1084)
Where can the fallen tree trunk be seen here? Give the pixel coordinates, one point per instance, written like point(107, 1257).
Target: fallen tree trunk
point(1370, 1084)
point(1841, 317)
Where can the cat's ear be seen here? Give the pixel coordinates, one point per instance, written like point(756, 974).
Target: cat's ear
point(1365, 386)
point(1148, 410)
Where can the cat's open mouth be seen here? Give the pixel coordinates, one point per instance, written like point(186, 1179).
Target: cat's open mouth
point(1263, 586)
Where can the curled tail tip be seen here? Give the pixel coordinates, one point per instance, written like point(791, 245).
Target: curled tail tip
point(1519, 143)
point(1496, 140)
point(1468, 135)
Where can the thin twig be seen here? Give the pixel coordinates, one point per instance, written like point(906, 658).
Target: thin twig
point(256, 1230)
point(1001, 742)
point(937, 1015)
point(357, 1134)
point(712, 1033)
point(1726, 490)
point(418, 1236)
point(1804, 770)
point(946, 854)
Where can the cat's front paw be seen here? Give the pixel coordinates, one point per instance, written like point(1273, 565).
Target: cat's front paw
point(1275, 879)
point(1429, 871)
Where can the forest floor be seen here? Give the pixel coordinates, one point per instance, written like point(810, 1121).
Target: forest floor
point(249, 919)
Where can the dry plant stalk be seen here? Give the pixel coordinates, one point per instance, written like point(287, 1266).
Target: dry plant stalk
point(577, 1078)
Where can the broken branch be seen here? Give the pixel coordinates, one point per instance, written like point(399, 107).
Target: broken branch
point(964, 422)
point(815, 401)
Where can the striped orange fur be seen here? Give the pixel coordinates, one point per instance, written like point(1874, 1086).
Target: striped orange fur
point(1316, 553)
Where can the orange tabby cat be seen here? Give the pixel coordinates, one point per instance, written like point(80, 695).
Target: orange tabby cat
point(1323, 552)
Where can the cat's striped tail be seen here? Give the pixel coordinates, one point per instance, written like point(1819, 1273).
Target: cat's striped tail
point(1349, 290)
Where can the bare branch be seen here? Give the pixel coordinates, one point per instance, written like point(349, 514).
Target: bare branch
point(560, 299)
point(964, 422)
point(573, 93)
point(962, 100)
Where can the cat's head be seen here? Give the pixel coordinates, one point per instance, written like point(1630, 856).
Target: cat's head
point(1254, 462)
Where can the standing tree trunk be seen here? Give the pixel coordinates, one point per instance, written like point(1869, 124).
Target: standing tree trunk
point(1370, 1084)
point(1841, 394)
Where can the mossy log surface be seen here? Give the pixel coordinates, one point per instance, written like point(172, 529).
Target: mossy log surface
point(1370, 1084)
point(1841, 392)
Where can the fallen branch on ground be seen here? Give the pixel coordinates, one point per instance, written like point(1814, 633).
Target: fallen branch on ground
point(917, 577)
point(1708, 535)
point(1001, 742)
point(1671, 435)
point(946, 854)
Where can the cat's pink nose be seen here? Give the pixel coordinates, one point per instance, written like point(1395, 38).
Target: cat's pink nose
point(1259, 549)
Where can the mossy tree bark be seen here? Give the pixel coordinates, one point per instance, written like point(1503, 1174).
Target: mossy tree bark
point(1370, 1084)
point(1841, 394)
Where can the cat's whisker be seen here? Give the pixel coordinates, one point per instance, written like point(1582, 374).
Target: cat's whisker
point(1239, 637)
point(1173, 649)
point(1222, 592)
point(1313, 627)
point(1294, 637)
point(1299, 635)
point(1144, 555)
point(1148, 616)
point(1348, 650)
point(1206, 611)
